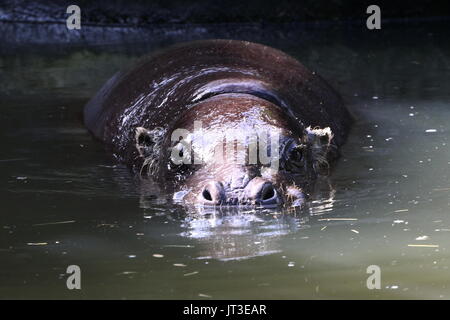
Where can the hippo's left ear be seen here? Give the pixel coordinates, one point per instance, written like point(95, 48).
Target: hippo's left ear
point(320, 142)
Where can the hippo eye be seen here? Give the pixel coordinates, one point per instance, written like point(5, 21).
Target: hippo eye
point(294, 158)
point(296, 154)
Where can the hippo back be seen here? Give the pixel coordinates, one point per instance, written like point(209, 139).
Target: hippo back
point(165, 84)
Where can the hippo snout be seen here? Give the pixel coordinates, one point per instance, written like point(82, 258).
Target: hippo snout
point(257, 191)
point(260, 191)
point(213, 193)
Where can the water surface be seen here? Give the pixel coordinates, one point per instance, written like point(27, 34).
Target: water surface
point(64, 199)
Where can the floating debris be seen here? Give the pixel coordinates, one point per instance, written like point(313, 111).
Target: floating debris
point(157, 255)
point(52, 223)
point(291, 264)
point(179, 265)
point(323, 228)
point(131, 256)
point(424, 245)
point(393, 287)
point(204, 257)
point(441, 189)
point(421, 238)
point(355, 231)
point(338, 219)
point(190, 274)
point(127, 272)
point(401, 210)
point(430, 130)
point(178, 246)
point(37, 243)
point(15, 159)
point(106, 225)
point(204, 295)
point(21, 178)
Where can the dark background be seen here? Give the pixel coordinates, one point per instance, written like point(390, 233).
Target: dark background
point(34, 25)
point(140, 12)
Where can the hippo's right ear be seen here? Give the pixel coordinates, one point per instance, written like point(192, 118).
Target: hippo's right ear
point(146, 140)
point(321, 147)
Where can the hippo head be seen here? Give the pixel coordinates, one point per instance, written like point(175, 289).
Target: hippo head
point(237, 149)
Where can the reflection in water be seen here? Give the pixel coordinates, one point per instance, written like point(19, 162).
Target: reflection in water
point(240, 235)
point(236, 233)
point(150, 193)
point(324, 197)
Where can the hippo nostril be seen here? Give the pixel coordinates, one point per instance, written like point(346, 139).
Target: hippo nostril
point(268, 192)
point(213, 193)
point(261, 191)
point(207, 195)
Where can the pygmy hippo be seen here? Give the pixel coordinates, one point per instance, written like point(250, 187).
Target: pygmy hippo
point(222, 122)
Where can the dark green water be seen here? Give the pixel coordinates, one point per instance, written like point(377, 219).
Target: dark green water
point(64, 200)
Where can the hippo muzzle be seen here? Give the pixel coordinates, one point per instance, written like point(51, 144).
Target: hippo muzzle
point(257, 191)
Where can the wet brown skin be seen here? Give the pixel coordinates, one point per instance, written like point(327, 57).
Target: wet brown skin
point(225, 84)
point(221, 116)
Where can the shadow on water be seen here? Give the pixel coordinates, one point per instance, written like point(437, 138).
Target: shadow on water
point(66, 201)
